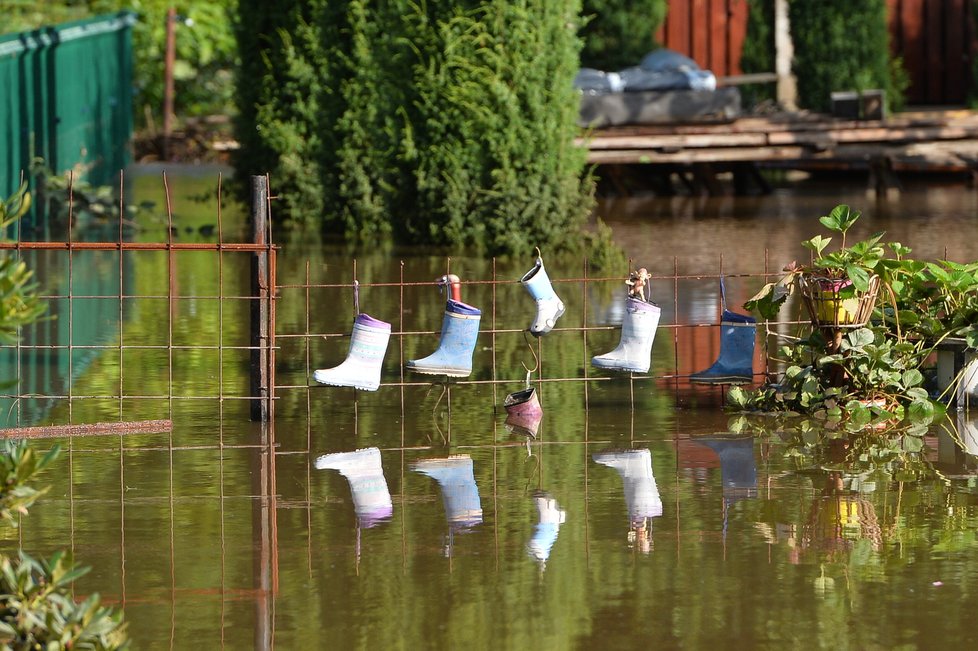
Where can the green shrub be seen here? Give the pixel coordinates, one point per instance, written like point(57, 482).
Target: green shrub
point(444, 123)
point(618, 33)
point(842, 45)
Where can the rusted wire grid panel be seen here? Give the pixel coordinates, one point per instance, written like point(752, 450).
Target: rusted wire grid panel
point(72, 298)
point(307, 334)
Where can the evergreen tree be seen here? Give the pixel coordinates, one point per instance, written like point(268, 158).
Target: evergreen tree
point(841, 45)
point(446, 122)
point(619, 33)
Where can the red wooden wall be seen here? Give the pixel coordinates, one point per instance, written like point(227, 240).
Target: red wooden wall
point(935, 38)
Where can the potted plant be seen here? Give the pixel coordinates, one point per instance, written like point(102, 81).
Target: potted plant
point(838, 288)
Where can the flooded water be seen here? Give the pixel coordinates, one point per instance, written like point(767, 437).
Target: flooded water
point(639, 515)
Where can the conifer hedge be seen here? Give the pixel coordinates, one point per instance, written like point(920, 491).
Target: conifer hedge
point(441, 122)
point(842, 45)
point(618, 33)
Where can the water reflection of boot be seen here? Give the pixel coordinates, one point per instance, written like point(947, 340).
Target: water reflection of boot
point(738, 468)
point(361, 369)
point(735, 364)
point(459, 492)
point(363, 470)
point(549, 518)
point(641, 493)
point(549, 306)
point(459, 331)
point(634, 351)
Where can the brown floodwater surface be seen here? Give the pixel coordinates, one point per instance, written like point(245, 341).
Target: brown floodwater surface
point(415, 517)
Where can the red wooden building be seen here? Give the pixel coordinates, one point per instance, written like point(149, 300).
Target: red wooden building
point(935, 39)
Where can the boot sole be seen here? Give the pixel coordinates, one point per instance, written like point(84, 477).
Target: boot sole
point(730, 379)
point(361, 387)
point(440, 371)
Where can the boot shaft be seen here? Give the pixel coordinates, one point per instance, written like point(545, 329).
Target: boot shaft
point(369, 338)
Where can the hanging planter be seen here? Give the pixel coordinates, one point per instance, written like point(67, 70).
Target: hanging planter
point(835, 302)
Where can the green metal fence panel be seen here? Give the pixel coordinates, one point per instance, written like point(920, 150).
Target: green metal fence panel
point(66, 97)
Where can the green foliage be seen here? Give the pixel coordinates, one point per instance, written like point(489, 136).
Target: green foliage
point(19, 305)
point(883, 384)
point(62, 194)
point(205, 48)
point(757, 52)
point(37, 611)
point(18, 466)
point(922, 303)
point(36, 608)
point(855, 263)
point(619, 33)
point(842, 45)
point(446, 123)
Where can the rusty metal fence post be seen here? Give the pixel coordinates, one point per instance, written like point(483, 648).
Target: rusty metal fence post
point(260, 308)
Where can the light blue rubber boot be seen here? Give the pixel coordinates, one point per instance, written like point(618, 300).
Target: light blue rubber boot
point(549, 305)
point(362, 468)
point(361, 369)
point(459, 331)
point(735, 365)
point(459, 492)
point(634, 351)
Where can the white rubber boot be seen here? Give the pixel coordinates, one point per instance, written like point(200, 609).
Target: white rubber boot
point(634, 351)
point(361, 369)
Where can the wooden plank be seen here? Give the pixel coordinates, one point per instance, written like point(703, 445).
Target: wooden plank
point(955, 52)
point(717, 24)
point(934, 37)
point(737, 26)
point(88, 429)
point(699, 33)
point(677, 26)
point(893, 26)
point(912, 29)
point(724, 155)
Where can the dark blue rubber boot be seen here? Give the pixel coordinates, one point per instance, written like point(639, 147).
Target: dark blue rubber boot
point(735, 365)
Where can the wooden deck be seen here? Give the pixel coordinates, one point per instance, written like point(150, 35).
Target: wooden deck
point(933, 141)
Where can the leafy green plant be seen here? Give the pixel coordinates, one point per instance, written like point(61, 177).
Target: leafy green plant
point(856, 264)
point(19, 304)
point(64, 194)
point(19, 464)
point(37, 611)
point(36, 607)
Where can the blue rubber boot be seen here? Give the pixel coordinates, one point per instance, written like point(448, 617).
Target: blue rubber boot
point(735, 365)
point(549, 518)
point(459, 331)
point(459, 492)
point(549, 305)
point(634, 351)
point(361, 369)
point(362, 468)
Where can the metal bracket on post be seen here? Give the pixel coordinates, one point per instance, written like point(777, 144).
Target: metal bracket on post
point(260, 305)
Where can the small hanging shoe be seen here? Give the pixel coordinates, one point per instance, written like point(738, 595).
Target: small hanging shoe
point(634, 351)
point(362, 469)
point(735, 364)
point(549, 305)
point(362, 367)
point(459, 331)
